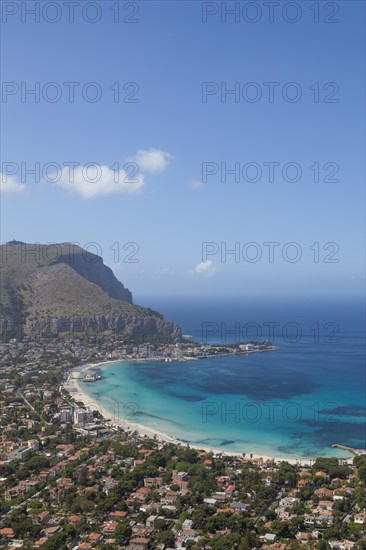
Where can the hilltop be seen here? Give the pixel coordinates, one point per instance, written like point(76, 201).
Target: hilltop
point(54, 290)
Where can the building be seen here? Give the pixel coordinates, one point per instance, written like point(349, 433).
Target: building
point(65, 416)
point(82, 416)
point(360, 518)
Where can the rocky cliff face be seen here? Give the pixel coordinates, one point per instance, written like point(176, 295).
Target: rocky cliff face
point(128, 325)
point(49, 294)
point(91, 267)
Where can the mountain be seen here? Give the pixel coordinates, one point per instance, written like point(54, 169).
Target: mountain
point(59, 289)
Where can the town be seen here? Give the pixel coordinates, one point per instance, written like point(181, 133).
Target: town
point(71, 480)
point(59, 352)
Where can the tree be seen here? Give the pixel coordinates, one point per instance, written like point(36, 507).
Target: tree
point(81, 504)
point(123, 533)
point(4, 507)
point(286, 474)
point(165, 537)
point(322, 545)
point(200, 516)
point(332, 467)
point(35, 504)
point(281, 528)
point(56, 542)
point(22, 526)
point(360, 463)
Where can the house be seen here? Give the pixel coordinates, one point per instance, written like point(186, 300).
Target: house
point(42, 518)
point(108, 484)
point(59, 492)
point(109, 527)
point(40, 542)
point(325, 517)
point(179, 476)
point(141, 493)
point(240, 507)
point(288, 502)
point(346, 491)
point(323, 492)
point(223, 480)
point(95, 538)
point(75, 520)
point(7, 532)
point(306, 537)
point(151, 520)
point(184, 536)
point(341, 545)
point(187, 524)
point(210, 501)
point(153, 482)
point(275, 546)
point(304, 482)
point(269, 537)
point(117, 515)
point(230, 491)
point(336, 480)
point(220, 496)
point(169, 497)
point(360, 518)
point(12, 493)
point(325, 505)
point(139, 543)
point(324, 475)
point(50, 531)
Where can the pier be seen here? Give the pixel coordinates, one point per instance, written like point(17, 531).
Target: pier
point(356, 452)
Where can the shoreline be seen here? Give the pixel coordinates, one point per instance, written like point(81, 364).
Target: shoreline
point(73, 387)
point(78, 393)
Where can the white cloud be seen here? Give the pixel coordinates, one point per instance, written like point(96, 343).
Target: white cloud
point(165, 271)
point(153, 160)
point(206, 268)
point(94, 181)
point(196, 184)
point(8, 184)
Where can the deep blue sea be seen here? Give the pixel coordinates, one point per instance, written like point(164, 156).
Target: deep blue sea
point(293, 402)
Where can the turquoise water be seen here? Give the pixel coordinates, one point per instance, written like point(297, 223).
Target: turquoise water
point(293, 402)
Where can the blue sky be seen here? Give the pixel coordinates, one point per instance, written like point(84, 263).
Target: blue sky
point(170, 133)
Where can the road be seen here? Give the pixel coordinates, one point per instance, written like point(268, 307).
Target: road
point(268, 506)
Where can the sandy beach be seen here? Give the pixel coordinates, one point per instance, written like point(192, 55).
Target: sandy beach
point(73, 387)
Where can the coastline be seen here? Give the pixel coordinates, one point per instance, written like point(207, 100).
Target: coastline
point(73, 387)
point(78, 393)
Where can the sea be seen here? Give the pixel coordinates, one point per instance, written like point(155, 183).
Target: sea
point(291, 403)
